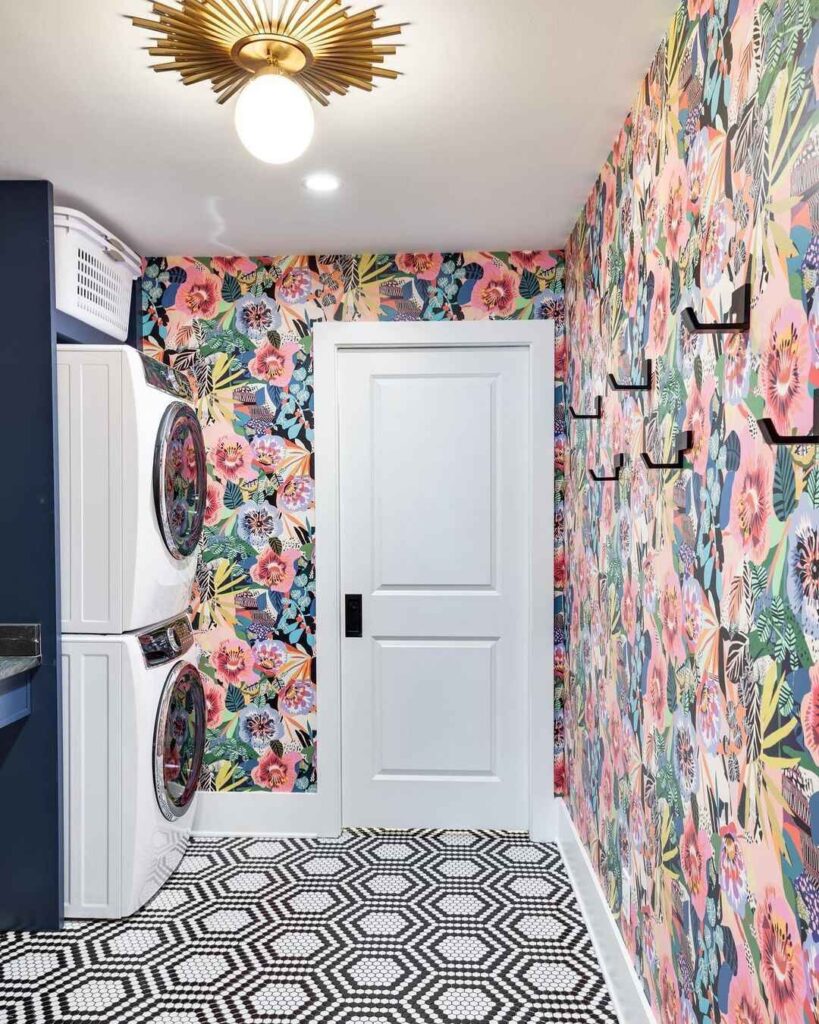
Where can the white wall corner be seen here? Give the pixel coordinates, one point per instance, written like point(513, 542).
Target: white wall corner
point(624, 986)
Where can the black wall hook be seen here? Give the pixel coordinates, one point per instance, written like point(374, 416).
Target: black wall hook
point(619, 461)
point(772, 435)
point(695, 326)
point(644, 385)
point(597, 415)
point(688, 439)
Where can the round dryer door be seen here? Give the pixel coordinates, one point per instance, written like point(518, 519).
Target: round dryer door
point(179, 740)
point(180, 480)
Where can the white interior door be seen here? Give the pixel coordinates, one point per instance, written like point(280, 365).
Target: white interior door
point(434, 468)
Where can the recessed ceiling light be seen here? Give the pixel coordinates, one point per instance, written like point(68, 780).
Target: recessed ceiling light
point(322, 182)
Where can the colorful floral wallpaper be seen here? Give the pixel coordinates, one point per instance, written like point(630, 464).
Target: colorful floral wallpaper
point(242, 329)
point(692, 715)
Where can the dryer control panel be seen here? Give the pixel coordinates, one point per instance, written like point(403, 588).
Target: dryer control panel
point(166, 642)
point(165, 378)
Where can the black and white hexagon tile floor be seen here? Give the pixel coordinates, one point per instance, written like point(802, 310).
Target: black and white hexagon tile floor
point(371, 928)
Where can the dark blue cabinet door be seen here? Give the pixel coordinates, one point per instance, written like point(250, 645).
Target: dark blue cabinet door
point(30, 756)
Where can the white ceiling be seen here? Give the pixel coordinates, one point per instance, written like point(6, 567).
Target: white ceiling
point(491, 139)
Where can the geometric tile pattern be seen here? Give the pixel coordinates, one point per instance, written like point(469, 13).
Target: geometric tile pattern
point(375, 927)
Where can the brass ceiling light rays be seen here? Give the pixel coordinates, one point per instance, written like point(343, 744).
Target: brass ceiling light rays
point(319, 44)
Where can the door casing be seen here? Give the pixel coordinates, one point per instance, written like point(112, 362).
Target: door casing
point(537, 337)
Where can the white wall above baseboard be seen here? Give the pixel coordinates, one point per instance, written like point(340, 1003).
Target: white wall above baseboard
point(260, 814)
point(615, 960)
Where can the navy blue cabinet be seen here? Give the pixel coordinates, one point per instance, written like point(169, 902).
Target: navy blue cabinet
point(30, 756)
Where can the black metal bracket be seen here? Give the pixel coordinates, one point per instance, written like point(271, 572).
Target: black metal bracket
point(644, 385)
point(619, 462)
point(772, 435)
point(695, 326)
point(688, 437)
point(597, 415)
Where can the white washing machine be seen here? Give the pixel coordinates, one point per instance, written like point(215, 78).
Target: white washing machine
point(133, 489)
point(134, 736)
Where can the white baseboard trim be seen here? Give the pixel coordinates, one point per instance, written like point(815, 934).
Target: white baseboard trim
point(615, 960)
point(261, 814)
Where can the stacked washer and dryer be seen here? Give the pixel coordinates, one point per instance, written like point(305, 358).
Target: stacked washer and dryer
point(132, 505)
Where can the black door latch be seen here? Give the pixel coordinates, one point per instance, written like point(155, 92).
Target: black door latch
point(353, 615)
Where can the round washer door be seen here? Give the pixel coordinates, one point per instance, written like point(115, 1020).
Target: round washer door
point(179, 740)
point(180, 480)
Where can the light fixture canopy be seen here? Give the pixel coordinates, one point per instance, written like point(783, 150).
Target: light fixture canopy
point(318, 43)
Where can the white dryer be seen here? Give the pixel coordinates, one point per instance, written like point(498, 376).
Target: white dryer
point(133, 488)
point(133, 740)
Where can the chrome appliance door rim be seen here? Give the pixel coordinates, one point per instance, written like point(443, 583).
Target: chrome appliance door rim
point(179, 549)
point(171, 810)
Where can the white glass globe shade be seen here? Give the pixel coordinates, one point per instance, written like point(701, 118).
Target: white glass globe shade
point(274, 118)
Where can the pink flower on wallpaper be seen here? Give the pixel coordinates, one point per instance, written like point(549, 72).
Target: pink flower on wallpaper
point(812, 975)
point(620, 144)
point(233, 458)
point(295, 285)
point(609, 211)
point(496, 292)
point(233, 661)
point(561, 358)
point(298, 698)
point(744, 1004)
point(200, 294)
point(560, 568)
point(781, 964)
point(532, 259)
point(733, 876)
point(669, 995)
point(692, 601)
point(671, 617)
point(296, 494)
point(560, 775)
point(234, 265)
point(274, 363)
point(660, 313)
point(628, 607)
point(657, 683)
point(269, 657)
point(751, 506)
point(697, 170)
point(735, 350)
point(214, 702)
point(275, 571)
point(695, 852)
point(677, 227)
point(810, 715)
point(276, 773)
point(213, 503)
point(716, 243)
point(709, 713)
point(424, 265)
point(268, 452)
point(784, 369)
point(698, 421)
point(631, 283)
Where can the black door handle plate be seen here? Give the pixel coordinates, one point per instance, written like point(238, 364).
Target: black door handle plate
point(353, 615)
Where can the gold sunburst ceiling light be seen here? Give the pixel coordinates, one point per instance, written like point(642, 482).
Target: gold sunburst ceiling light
point(275, 53)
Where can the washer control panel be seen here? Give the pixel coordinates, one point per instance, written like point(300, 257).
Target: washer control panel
point(166, 642)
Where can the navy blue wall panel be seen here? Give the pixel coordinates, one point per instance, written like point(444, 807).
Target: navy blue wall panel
point(30, 756)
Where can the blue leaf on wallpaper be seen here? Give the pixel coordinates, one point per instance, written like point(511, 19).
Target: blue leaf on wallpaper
point(233, 498)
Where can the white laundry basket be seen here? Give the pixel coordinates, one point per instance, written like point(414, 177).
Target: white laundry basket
point(94, 273)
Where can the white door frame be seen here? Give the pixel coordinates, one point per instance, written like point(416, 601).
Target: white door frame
point(537, 336)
